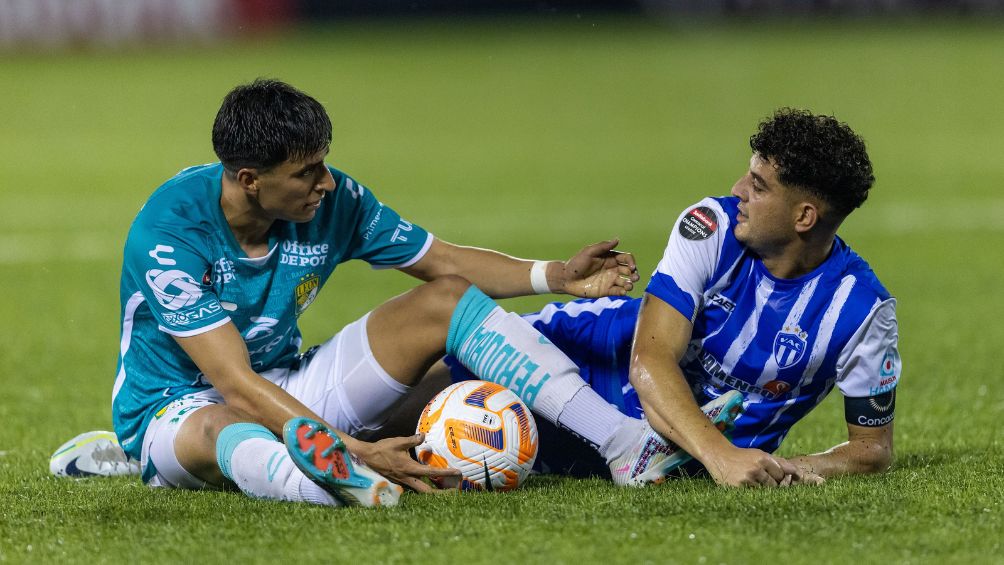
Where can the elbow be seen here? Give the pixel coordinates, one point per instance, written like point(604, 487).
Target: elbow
point(876, 459)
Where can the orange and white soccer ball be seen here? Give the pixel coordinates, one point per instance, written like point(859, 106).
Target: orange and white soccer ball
point(481, 429)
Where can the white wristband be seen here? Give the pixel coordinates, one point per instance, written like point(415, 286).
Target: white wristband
point(538, 277)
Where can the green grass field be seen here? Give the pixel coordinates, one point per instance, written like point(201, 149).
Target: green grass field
point(533, 137)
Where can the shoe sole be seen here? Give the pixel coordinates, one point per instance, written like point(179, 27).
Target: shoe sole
point(322, 456)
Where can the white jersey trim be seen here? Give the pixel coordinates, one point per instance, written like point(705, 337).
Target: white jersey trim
point(860, 364)
point(127, 321)
point(418, 256)
point(196, 331)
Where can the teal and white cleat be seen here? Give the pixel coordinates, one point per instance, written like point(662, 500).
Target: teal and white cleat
point(653, 457)
point(322, 456)
point(92, 454)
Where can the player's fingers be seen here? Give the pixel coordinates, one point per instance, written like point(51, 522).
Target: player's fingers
point(429, 471)
point(788, 467)
point(773, 468)
point(601, 248)
point(416, 485)
point(407, 442)
point(786, 481)
point(625, 259)
point(764, 479)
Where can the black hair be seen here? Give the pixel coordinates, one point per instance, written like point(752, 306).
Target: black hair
point(817, 154)
point(267, 122)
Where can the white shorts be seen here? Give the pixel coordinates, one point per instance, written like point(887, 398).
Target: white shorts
point(339, 380)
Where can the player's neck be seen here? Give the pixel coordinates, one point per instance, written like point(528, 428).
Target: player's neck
point(798, 258)
point(249, 226)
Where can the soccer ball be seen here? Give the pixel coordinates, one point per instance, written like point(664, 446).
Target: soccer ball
point(481, 429)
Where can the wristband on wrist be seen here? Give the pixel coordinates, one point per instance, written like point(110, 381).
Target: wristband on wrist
point(538, 277)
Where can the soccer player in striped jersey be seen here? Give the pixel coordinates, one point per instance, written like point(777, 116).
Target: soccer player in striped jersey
point(755, 293)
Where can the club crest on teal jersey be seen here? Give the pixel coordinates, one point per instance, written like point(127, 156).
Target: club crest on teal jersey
point(306, 292)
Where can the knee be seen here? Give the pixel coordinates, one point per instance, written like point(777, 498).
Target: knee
point(443, 294)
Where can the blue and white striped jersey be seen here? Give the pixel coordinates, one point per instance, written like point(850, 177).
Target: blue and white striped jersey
point(783, 343)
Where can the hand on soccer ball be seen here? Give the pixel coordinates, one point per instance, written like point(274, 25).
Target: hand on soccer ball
point(391, 458)
point(598, 270)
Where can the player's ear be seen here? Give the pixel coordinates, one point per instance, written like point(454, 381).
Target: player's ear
point(247, 179)
point(806, 216)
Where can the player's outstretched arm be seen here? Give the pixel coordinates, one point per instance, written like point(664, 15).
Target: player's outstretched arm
point(867, 450)
point(597, 270)
point(660, 342)
point(223, 358)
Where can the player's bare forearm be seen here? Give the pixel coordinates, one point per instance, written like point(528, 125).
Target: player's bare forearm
point(867, 451)
point(595, 271)
point(222, 357)
point(660, 341)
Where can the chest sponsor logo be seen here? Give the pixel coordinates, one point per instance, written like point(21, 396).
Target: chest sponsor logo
point(699, 223)
point(306, 292)
point(261, 337)
point(303, 254)
point(773, 389)
point(173, 289)
point(220, 272)
point(789, 346)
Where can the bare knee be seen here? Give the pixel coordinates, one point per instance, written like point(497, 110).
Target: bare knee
point(440, 296)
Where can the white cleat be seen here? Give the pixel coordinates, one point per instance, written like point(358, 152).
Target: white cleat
point(651, 457)
point(92, 454)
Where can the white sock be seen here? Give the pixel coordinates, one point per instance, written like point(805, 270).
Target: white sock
point(504, 348)
point(592, 418)
point(507, 350)
point(258, 463)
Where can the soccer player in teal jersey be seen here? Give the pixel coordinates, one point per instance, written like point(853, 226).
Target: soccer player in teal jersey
point(223, 259)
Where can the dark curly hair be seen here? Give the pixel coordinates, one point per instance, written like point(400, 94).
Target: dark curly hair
point(817, 154)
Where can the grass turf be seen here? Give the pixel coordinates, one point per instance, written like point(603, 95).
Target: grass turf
point(534, 137)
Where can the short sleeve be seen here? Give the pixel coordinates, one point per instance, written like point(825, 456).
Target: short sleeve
point(870, 364)
point(690, 258)
point(174, 279)
point(384, 239)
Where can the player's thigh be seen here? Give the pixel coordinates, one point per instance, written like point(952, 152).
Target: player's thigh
point(342, 381)
point(408, 333)
point(404, 417)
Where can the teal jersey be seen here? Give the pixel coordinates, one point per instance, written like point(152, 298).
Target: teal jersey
point(183, 274)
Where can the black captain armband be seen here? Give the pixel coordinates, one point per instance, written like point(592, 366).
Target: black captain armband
point(870, 411)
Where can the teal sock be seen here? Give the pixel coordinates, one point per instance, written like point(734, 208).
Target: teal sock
point(505, 349)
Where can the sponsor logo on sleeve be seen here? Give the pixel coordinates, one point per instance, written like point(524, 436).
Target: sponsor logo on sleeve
point(400, 234)
point(888, 373)
point(192, 315)
point(789, 346)
point(173, 289)
point(699, 223)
